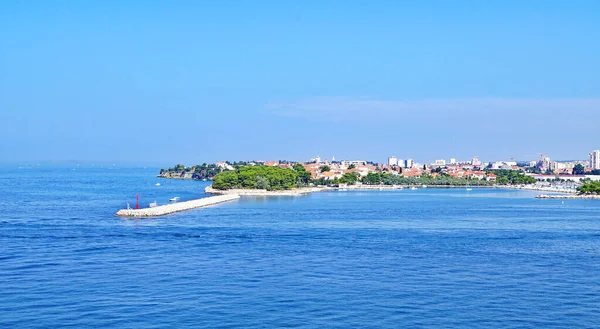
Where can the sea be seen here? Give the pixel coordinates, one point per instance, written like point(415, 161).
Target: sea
point(426, 258)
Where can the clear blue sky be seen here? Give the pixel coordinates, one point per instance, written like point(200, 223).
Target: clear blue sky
point(194, 81)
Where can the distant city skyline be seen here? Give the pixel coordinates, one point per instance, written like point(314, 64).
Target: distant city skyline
point(193, 82)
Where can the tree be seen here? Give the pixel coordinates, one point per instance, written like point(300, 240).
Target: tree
point(578, 170)
point(589, 188)
point(226, 180)
point(254, 176)
point(349, 178)
point(325, 168)
point(262, 183)
point(303, 174)
point(352, 166)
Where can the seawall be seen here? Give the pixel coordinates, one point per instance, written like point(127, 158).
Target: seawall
point(568, 196)
point(176, 207)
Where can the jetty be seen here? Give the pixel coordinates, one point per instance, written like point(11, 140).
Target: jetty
point(568, 196)
point(176, 207)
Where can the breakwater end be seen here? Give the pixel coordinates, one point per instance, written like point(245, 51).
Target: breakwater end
point(176, 207)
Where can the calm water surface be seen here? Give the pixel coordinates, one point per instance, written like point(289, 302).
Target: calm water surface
point(425, 258)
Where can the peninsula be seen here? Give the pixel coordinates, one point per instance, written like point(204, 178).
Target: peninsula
point(300, 178)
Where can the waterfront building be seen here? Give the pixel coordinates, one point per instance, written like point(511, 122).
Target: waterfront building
point(594, 160)
point(393, 161)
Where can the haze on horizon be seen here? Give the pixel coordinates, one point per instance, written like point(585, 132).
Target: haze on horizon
point(192, 82)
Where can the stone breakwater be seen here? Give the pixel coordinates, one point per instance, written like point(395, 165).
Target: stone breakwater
point(176, 207)
point(568, 196)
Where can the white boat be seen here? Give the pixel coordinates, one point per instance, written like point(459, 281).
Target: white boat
point(153, 204)
point(174, 199)
point(469, 188)
point(413, 188)
point(157, 184)
point(424, 186)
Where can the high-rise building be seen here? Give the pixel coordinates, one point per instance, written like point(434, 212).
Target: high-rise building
point(595, 159)
point(452, 160)
point(409, 163)
point(475, 161)
point(393, 161)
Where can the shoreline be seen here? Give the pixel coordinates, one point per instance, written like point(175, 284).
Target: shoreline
point(307, 190)
point(256, 192)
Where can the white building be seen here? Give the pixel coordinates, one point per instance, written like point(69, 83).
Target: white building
point(440, 162)
point(595, 159)
point(546, 162)
point(475, 161)
point(409, 163)
point(452, 160)
point(354, 162)
point(555, 165)
point(393, 161)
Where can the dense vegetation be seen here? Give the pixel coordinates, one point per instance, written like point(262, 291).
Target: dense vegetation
point(260, 177)
point(203, 171)
point(589, 188)
point(512, 177)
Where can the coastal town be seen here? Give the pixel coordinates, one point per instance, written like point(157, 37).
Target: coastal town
point(543, 170)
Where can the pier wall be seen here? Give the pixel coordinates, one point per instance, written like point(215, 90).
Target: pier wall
point(176, 207)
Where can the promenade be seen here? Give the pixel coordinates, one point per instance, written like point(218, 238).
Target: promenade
point(176, 207)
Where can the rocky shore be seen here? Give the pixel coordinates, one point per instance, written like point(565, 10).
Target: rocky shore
point(176, 175)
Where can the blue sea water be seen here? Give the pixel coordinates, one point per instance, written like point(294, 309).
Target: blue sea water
point(377, 259)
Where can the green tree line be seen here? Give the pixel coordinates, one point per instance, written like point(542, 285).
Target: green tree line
point(589, 188)
point(260, 177)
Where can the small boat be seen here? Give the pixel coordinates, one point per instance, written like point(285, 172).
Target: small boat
point(413, 188)
point(153, 204)
point(174, 199)
point(204, 179)
point(157, 184)
point(469, 188)
point(424, 186)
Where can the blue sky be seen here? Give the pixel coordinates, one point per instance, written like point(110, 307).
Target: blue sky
point(194, 81)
